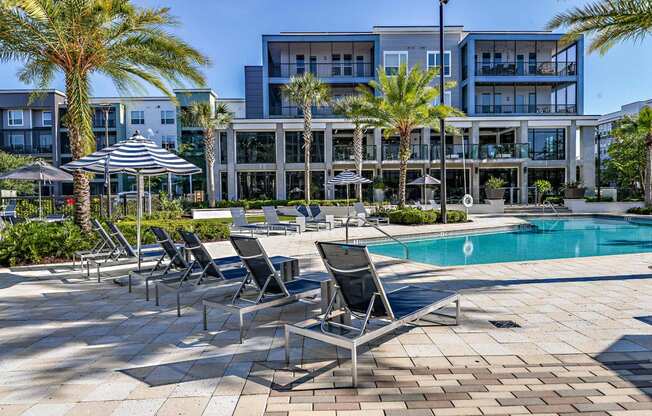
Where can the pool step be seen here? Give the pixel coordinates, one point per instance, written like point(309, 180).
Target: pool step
point(531, 209)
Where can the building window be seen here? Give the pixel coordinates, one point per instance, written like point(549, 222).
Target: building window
point(255, 147)
point(434, 60)
point(167, 117)
point(169, 142)
point(294, 147)
point(547, 144)
point(223, 149)
point(448, 99)
point(46, 118)
point(15, 118)
point(137, 117)
point(295, 185)
point(393, 60)
point(17, 141)
point(256, 185)
point(44, 143)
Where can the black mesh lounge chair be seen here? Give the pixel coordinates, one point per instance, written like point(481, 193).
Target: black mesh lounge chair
point(104, 246)
point(311, 220)
point(270, 289)
point(272, 221)
point(363, 299)
point(203, 271)
point(240, 222)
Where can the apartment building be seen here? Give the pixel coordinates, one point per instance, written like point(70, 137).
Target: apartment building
point(32, 125)
point(522, 93)
point(607, 122)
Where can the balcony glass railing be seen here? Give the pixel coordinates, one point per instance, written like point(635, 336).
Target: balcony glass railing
point(297, 112)
point(345, 153)
point(524, 68)
point(504, 151)
point(552, 154)
point(26, 149)
point(418, 152)
point(526, 109)
point(323, 70)
point(454, 151)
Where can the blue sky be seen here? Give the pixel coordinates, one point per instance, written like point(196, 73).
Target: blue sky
point(229, 31)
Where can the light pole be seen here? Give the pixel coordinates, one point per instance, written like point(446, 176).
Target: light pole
point(107, 180)
point(442, 124)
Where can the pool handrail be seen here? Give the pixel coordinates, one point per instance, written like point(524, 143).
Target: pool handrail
point(552, 207)
point(391, 237)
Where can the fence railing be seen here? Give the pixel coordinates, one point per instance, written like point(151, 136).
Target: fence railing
point(345, 153)
point(324, 70)
point(418, 152)
point(525, 68)
point(526, 108)
point(27, 149)
point(293, 111)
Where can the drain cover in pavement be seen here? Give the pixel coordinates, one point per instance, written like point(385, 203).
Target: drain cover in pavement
point(504, 324)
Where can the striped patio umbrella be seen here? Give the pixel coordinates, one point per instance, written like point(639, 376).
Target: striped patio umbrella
point(347, 178)
point(135, 156)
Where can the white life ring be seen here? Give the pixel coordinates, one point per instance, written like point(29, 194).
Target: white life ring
point(467, 201)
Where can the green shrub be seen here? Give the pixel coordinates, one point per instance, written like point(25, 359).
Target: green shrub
point(259, 203)
point(554, 199)
point(495, 183)
point(207, 230)
point(640, 211)
point(455, 216)
point(596, 199)
point(36, 242)
point(411, 216)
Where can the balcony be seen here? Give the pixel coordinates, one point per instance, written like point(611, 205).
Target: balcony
point(27, 149)
point(324, 70)
point(552, 154)
point(504, 151)
point(297, 112)
point(542, 109)
point(523, 68)
point(418, 152)
point(454, 152)
point(344, 153)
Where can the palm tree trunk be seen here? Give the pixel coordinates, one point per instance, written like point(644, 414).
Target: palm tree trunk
point(82, 142)
point(357, 155)
point(209, 154)
point(404, 153)
point(307, 143)
point(647, 183)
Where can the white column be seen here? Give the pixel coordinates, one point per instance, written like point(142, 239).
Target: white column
point(523, 138)
point(475, 171)
point(280, 163)
point(231, 161)
point(571, 153)
point(587, 140)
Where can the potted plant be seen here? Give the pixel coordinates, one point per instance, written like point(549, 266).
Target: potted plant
point(379, 189)
point(493, 188)
point(574, 190)
point(543, 187)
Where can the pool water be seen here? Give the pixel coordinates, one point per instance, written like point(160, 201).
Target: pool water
point(549, 238)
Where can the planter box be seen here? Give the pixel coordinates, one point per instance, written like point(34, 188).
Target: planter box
point(379, 195)
point(491, 193)
point(581, 206)
point(574, 193)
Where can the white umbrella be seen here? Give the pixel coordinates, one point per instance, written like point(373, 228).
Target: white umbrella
point(136, 156)
point(38, 171)
point(348, 178)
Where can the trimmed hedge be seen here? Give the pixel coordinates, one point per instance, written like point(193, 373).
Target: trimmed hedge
point(640, 211)
point(415, 216)
point(207, 230)
point(37, 242)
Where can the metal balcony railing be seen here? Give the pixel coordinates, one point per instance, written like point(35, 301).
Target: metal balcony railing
point(454, 151)
point(526, 109)
point(345, 153)
point(26, 149)
point(525, 68)
point(297, 112)
point(418, 152)
point(323, 70)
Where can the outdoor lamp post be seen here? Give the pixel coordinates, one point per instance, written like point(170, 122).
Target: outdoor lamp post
point(442, 124)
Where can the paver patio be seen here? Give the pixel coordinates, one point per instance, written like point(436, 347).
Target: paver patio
point(74, 347)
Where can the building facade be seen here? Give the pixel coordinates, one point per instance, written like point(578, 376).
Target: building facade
point(522, 93)
point(607, 123)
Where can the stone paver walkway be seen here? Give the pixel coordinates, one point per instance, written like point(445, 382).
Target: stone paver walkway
point(74, 347)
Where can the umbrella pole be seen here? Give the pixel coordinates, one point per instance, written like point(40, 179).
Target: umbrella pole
point(348, 211)
point(139, 211)
point(40, 204)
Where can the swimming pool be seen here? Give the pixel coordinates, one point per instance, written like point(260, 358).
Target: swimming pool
point(547, 238)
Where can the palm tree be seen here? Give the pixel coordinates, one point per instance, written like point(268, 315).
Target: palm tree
point(404, 104)
point(608, 21)
point(353, 108)
point(641, 128)
point(307, 91)
point(202, 115)
point(81, 38)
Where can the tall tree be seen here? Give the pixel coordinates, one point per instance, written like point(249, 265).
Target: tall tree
point(608, 22)
point(307, 91)
point(353, 108)
point(631, 133)
point(209, 120)
point(405, 103)
point(80, 38)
